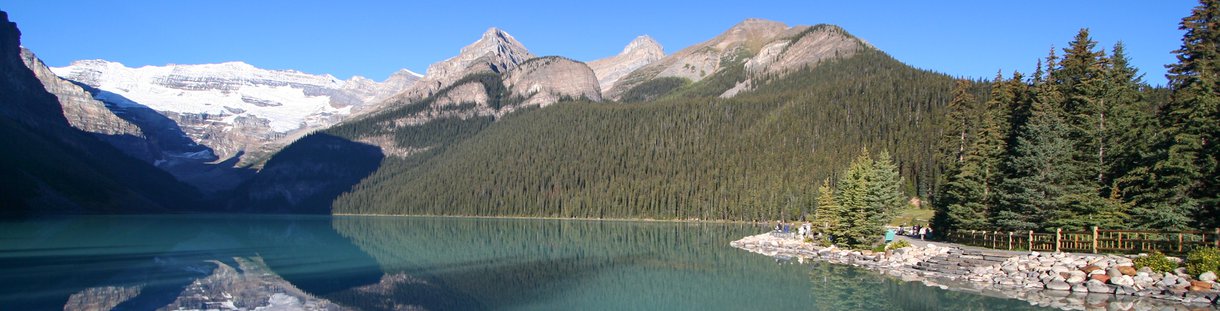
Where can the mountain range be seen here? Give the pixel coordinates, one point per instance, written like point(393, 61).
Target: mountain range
point(258, 140)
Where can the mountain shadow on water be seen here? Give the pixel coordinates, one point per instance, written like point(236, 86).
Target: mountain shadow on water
point(307, 176)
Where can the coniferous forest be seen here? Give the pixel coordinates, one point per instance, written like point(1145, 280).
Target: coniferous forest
point(1080, 141)
point(757, 156)
point(1084, 142)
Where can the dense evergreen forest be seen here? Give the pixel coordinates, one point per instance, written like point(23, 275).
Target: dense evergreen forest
point(757, 156)
point(1084, 142)
point(1081, 141)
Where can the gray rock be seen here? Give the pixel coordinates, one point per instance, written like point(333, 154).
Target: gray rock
point(1113, 272)
point(1169, 280)
point(1080, 288)
point(1059, 285)
point(1123, 281)
point(1076, 277)
point(1096, 286)
point(1058, 269)
point(1146, 270)
point(1208, 276)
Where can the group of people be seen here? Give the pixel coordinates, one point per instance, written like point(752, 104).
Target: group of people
point(921, 231)
point(806, 230)
point(802, 231)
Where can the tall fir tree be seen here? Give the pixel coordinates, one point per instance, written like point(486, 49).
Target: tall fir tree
point(952, 202)
point(1041, 175)
point(885, 191)
point(1180, 189)
point(826, 214)
point(858, 224)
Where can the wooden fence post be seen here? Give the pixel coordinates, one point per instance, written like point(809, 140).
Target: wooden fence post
point(1031, 240)
point(1010, 240)
point(1094, 239)
point(1180, 242)
point(1058, 238)
point(1217, 241)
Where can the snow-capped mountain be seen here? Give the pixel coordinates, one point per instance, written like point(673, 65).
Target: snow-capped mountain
point(234, 108)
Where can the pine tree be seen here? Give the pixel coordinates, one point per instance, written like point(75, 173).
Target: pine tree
point(1181, 189)
point(953, 201)
point(1041, 174)
point(826, 215)
point(886, 189)
point(858, 223)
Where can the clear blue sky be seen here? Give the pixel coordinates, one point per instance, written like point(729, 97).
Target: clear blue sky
point(376, 38)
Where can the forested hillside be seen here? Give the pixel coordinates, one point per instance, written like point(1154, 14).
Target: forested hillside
point(759, 155)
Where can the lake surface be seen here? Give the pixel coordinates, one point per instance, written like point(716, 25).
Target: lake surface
point(436, 263)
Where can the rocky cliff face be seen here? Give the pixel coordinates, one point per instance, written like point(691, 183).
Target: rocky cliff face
point(234, 109)
point(545, 80)
point(79, 107)
point(639, 53)
point(50, 167)
point(495, 52)
point(762, 47)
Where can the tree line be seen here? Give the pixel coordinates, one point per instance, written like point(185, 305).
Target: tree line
point(1084, 142)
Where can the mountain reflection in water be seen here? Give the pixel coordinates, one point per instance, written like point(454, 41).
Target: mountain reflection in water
point(434, 263)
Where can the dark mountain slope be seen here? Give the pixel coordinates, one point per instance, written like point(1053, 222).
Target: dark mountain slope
point(49, 167)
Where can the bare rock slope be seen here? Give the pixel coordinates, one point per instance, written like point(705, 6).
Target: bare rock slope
point(762, 47)
point(639, 53)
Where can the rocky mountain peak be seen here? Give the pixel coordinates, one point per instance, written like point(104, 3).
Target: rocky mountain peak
point(496, 49)
point(496, 52)
point(639, 53)
point(644, 45)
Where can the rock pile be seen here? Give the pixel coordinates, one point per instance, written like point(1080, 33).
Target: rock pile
point(1059, 280)
point(1105, 274)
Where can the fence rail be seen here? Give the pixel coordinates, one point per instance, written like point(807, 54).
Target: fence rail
point(1095, 241)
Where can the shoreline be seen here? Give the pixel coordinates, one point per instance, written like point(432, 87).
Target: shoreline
point(710, 221)
point(1011, 275)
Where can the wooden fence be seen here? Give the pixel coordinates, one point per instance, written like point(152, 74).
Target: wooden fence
point(1095, 241)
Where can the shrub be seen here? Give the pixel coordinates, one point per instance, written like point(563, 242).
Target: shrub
point(1156, 261)
point(897, 244)
point(1202, 260)
point(879, 248)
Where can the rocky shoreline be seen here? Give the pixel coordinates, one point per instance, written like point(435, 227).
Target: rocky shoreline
point(1058, 280)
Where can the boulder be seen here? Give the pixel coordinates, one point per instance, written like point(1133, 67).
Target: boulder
point(1124, 280)
point(1080, 288)
point(1076, 277)
point(1197, 286)
point(1059, 285)
point(1100, 277)
point(1114, 272)
point(1169, 280)
point(1089, 269)
point(1208, 276)
point(1096, 286)
point(1127, 270)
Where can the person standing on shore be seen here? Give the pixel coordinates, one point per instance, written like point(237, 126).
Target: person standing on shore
point(922, 232)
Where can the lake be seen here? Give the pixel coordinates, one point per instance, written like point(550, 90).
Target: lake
point(435, 263)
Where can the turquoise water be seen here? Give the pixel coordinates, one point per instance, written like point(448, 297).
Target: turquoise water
point(451, 264)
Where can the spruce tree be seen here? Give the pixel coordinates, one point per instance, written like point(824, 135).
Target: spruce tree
point(826, 215)
point(1180, 190)
point(886, 189)
point(960, 180)
point(1040, 167)
point(858, 226)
